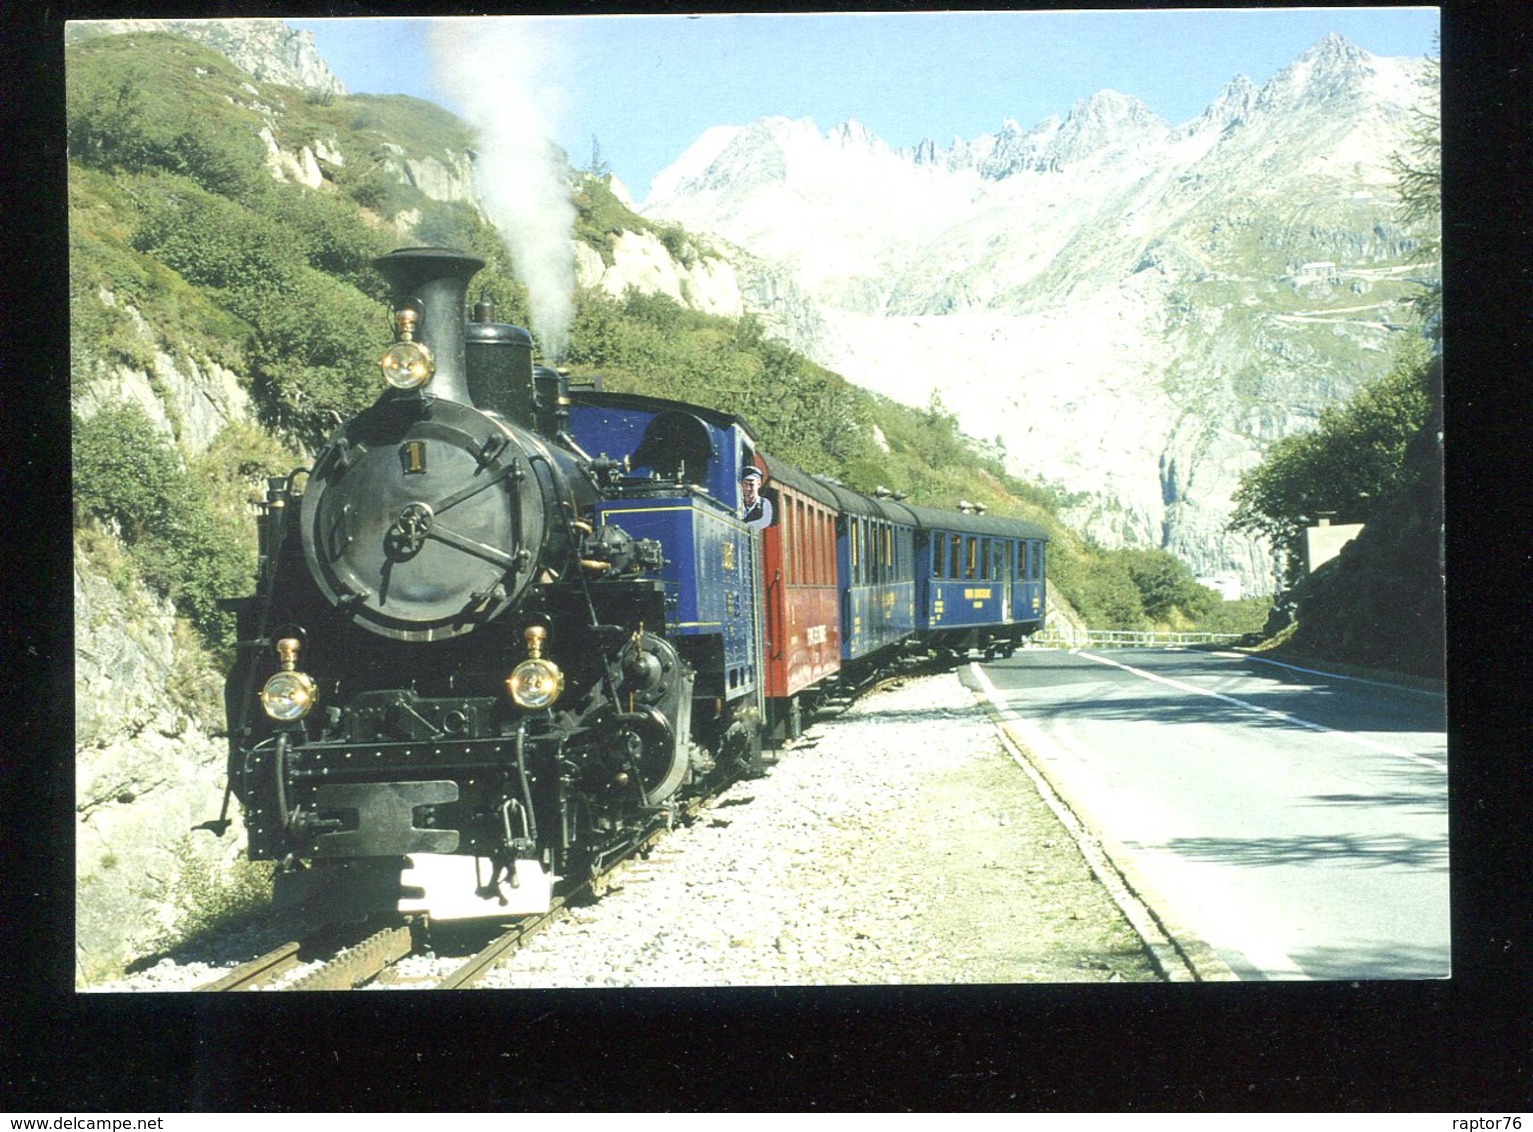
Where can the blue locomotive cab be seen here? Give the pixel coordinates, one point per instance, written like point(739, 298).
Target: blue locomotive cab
point(675, 479)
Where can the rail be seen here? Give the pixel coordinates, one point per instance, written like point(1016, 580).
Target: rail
point(1068, 638)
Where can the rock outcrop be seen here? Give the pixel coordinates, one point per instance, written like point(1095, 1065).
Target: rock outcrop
point(269, 51)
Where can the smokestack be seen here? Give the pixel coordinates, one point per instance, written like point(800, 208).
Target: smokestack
point(434, 281)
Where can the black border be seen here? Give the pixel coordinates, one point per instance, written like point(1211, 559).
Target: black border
point(1457, 1046)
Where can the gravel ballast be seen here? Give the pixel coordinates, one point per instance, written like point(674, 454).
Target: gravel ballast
point(898, 843)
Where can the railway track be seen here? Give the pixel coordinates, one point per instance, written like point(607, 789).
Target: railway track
point(355, 956)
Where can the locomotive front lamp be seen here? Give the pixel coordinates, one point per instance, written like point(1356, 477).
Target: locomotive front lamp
point(537, 682)
point(290, 694)
point(407, 364)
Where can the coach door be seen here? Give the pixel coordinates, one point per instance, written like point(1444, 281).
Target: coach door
point(1002, 552)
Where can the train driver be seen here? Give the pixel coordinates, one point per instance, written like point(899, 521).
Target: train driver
point(756, 510)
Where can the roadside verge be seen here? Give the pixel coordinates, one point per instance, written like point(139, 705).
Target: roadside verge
point(1177, 952)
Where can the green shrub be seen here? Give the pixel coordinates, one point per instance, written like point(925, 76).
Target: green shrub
point(332, 236)
point(1246, 615)
point(127, 475)
point(203, 897)
point(1354, 458)
point(122, 115)
point(1167, 589)
point(316, 337)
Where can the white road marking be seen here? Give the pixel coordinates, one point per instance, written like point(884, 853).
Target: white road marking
point(1327, 675)
point(1294, 719)
point(1214, 915)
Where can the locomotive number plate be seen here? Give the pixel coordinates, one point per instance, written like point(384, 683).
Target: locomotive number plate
point(412, 457)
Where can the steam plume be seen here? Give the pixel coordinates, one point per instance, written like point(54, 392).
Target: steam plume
point(501, 72)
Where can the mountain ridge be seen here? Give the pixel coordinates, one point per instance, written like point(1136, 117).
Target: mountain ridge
point(1227, 277)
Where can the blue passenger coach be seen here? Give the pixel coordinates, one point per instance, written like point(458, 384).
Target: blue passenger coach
point(875, 561)
point(979, 581)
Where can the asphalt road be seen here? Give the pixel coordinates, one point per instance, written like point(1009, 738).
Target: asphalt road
point(1295, 822)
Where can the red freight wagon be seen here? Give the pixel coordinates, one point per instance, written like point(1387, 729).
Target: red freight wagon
point(803, 613)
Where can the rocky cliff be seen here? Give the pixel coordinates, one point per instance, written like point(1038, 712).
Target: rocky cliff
point(267, 50)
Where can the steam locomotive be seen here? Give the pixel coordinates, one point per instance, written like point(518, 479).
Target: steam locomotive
point(502, 627)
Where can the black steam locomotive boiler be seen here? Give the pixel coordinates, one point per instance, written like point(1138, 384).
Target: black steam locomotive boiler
point(445, 695)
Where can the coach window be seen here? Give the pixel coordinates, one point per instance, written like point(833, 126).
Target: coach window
point(969, 552)
point(813, 551)
point(811, 530)
point(832, 567)
point(827, 547)
point(819, 545)
point(814, 544)
point(805, 535)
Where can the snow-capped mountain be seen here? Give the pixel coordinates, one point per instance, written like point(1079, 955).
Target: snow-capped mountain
point(1131, 309)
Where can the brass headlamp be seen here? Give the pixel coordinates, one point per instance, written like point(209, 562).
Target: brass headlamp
point(407, 364)
point(535, 683)
point(289, 695)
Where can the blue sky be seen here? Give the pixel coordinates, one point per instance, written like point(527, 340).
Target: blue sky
point(646, 86)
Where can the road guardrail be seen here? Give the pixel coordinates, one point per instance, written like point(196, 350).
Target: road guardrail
point(1068, 638)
